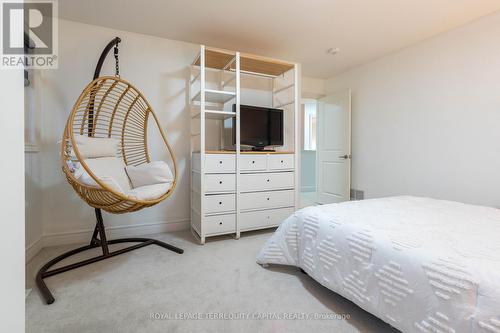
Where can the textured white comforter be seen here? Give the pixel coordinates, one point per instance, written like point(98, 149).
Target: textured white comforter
point(421, 265)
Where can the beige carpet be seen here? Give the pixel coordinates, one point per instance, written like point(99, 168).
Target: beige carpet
point(135, 292)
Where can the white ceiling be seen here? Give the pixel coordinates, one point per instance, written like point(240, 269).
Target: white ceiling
point(295, 30)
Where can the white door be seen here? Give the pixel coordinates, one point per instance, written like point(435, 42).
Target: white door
point(334, 148)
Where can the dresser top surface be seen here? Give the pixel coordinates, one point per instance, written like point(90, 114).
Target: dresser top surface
point(247, 152)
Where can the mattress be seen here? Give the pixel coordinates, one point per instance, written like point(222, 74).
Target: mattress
point(419, 264)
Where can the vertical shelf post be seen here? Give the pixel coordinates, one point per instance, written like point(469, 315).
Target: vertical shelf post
point(296, 105)
point(237, 139)
point(191, 140)
point(202, 139)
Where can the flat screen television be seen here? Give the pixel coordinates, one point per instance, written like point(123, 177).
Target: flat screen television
point(259, 126)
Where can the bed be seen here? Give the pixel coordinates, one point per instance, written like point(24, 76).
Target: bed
point(419, 264)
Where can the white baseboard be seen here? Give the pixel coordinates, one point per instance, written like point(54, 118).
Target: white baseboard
point(33, 249)
point(83, 236)
point(308, 188)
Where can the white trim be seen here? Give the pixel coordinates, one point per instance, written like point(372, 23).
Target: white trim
point(81, 236)
point(33, 249)
point(308, 188)
point(308, 100)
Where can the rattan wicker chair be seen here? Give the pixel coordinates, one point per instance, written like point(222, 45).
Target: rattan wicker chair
point(109, 107)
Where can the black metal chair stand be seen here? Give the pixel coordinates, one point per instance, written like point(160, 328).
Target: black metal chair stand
point(98, 240)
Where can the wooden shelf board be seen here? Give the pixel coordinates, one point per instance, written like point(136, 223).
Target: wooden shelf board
point(218, 59)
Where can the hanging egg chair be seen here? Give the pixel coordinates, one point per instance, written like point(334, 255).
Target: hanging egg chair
point(111, 109)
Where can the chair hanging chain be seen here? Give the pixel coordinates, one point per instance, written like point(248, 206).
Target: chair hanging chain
point(117, 62)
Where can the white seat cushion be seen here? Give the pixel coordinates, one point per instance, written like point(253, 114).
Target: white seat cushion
point(149, 174)
point(108, 181)
point(108, 170)
point(149, 192)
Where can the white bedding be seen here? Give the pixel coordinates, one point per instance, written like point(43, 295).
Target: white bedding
point(419, 264)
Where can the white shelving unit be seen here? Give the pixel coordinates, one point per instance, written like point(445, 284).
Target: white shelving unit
point(235, 191)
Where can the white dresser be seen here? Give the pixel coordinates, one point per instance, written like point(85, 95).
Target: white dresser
point(261, 197)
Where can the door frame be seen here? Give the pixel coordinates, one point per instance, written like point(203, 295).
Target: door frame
point(303, 101)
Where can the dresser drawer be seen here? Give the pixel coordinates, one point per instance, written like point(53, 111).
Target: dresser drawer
point(281, 161)
point(271, 199)
point(219, 224)
point(263, 218)
point(253, 162)
point(266, 181)
point(220, 183)
point(220, 163)
point(220, 203)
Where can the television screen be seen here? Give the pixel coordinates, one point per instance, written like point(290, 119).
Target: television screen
point(260, 126)
point(275, 127)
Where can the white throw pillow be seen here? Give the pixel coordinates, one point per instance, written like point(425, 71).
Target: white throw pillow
point(90, 147)
point(149, 174)
point(106, 168)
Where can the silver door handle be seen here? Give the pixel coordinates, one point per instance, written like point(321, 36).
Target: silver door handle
point(345, 157)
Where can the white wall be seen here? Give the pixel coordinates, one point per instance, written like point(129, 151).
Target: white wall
point(32, 162)
point(426, 120)
point(160, 69)
point(12, 201)
point(33, 206)
point(313, 88)
point(308, 171)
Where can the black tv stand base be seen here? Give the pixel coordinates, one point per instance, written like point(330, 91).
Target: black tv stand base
point(264, 150)
point(253, 149)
